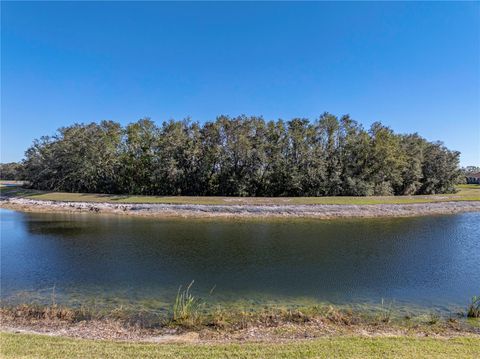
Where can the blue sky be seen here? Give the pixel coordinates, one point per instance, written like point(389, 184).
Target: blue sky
point(413, 66)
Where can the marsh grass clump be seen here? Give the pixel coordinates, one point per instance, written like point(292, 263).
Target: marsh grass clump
point(385, 315)
point(131, 316)
point(53, 312)
point(231, 318)
point(219, 319)
point(433, 318)
point(145, 320)
point(474, 308)
point(186, 308)
point(338, 316)
point(297, 316)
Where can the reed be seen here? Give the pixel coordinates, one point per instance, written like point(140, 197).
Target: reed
point(385, 312)
point(474, 308)
point(186, 307)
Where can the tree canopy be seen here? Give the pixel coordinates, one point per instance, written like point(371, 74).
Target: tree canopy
point(241, 156)
point(11, 171)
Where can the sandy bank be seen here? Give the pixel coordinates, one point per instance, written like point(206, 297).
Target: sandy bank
point(199, 210)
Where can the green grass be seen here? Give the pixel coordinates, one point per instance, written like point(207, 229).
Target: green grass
point(465, 193)
point(185, 308)
point(469, 186)
point(36, 346)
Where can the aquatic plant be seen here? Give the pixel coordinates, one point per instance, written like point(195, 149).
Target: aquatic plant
point(385, 312)
point(474, 308)
point(434, 318)
point(186, 307)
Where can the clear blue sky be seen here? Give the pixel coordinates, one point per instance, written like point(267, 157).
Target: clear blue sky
point(413, 66)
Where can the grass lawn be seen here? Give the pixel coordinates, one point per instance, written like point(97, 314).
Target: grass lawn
point(465, 193)
point(41, 346)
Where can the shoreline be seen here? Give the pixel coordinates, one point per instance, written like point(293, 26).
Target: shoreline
point(319, 211)
point(270, 325)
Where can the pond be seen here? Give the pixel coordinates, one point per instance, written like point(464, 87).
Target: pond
point(431, 261)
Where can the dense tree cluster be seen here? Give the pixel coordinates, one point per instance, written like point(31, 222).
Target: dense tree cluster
point(241, 156)
point(11, 171)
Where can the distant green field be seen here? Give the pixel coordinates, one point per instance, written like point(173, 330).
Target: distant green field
point(469, 186)
point(36, 346)
point(465, 193)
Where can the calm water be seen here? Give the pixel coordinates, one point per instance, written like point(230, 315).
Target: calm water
point(426, 261)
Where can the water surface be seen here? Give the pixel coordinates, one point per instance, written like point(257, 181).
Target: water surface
point(427, 261)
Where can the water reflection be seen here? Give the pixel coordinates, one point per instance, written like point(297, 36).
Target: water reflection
point(425, 260)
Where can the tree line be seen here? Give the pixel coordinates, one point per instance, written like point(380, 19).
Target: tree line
point(11, 171)
point(240, 156)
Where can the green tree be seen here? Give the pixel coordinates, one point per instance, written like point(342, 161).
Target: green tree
point(11, 171)
point(355, 152)
point(139, 158)
point(241, 156)
point(386, 161)
point(440, 169)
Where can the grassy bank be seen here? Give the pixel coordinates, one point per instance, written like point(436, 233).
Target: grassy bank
point(36, 346)
point(232, 324)
point(465, 193)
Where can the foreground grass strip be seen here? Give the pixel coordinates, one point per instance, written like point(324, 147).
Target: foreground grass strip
point(465, 193)
point(37, 346)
